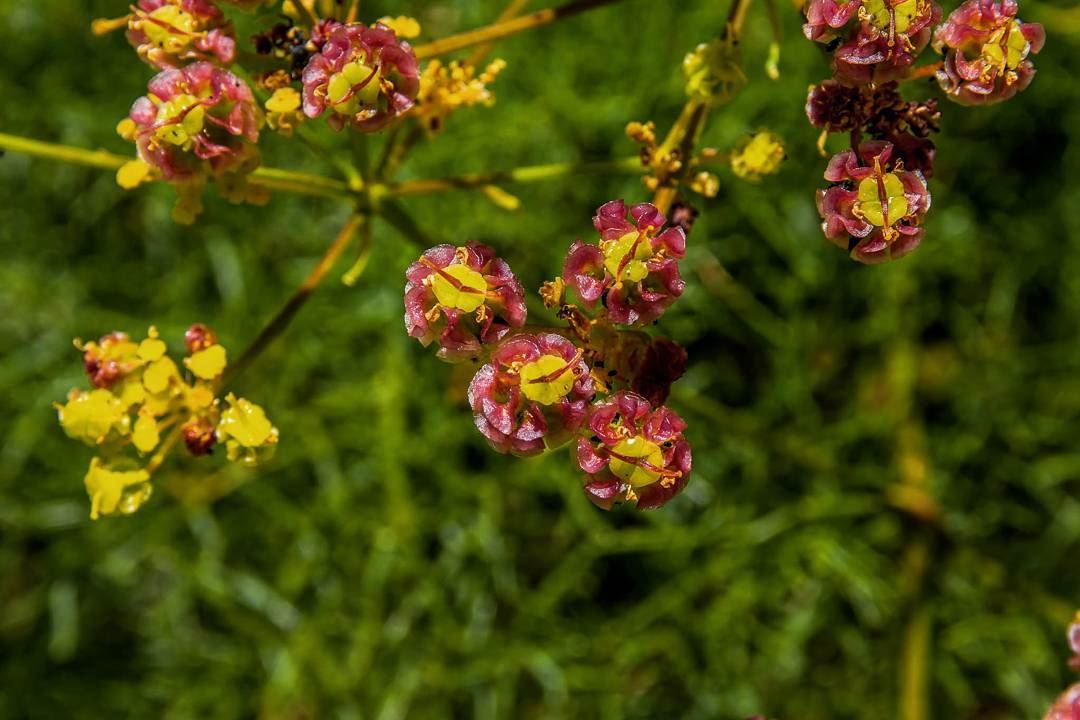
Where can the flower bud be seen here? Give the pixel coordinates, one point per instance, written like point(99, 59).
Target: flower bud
point(199, 436)
point(199, 337)
point(636, 453)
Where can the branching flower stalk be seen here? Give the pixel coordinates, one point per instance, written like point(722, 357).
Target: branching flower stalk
point(596, 378)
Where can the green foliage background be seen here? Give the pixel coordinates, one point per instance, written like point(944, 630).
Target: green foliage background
point(387, 565)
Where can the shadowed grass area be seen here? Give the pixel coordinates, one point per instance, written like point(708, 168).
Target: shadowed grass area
point(886, 475)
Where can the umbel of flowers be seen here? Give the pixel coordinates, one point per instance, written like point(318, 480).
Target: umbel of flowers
point(876, 44)
point(596, 383)
point(140, 403)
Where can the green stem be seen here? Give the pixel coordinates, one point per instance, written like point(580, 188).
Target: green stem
point(270, 178)
point(526, 174)
point(511, 11)
point(285, 315)
point(506, 28)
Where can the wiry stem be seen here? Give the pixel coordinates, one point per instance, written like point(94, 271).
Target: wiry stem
point(499, 30)
point(284, 316)
point(684, 134)
point(270, 178)
point(526, 174)
point(511, 11)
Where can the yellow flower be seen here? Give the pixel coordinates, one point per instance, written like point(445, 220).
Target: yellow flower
point(152, 348)
point(90, 416)
point(283, 110)
point(757, 156)
point(244, 425)
point(403, 26)
point(159, 374)
point(207, 364)
point(113, 491)
point(145, 436)
point(445, 88)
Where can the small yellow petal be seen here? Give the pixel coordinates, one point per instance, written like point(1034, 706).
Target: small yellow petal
point(247, 423)
point(158, 374)
point(126, 129)
point(200, 397)
point(89, 416)
point(207, 364)
point(113, 491)
point(145, 435)
point(403, 26)
point(132, 174)
point(131, 392)
point(284, 100)
point(151, 349)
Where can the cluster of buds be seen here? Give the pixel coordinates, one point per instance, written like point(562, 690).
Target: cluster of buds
point(138, 393)
point(1067, 706)
point(445, 88)
point(876, 44)
point(597, 382)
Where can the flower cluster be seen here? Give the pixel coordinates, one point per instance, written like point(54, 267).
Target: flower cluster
point(194, 123)
point(137, 393)
point(986, 52)
point(597, 382)
point(876, 44)
point(446, 87)
point(362, 76)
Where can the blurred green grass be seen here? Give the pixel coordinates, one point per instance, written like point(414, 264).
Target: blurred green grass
point(388, 565)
